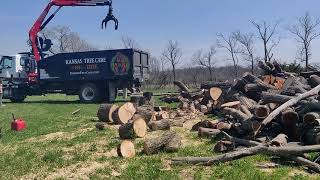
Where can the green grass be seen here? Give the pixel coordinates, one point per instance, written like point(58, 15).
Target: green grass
point(59, 145)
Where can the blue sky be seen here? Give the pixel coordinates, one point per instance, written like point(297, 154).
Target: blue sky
point(194, 23)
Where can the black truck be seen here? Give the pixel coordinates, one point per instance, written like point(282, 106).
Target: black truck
point(95, 75)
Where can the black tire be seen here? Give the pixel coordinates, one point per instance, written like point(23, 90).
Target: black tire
point(17, 99)
point(89, 93)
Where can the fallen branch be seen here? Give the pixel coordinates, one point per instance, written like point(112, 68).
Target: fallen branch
point(289, 103)
point(279, 151)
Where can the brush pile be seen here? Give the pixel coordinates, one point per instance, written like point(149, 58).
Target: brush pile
point(276, 113)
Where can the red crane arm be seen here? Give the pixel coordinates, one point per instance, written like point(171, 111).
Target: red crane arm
point(40, 24)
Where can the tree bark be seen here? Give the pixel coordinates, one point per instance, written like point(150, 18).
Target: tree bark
point(240, 116)
point(206, 132)
point(105, 112)
point(182, 86)
point(168, 141)
point(163, 124)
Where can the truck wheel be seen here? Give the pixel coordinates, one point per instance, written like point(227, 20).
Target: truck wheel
point(17, 99)
point(89, 93)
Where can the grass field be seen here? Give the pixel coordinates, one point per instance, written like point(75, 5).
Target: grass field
point(58, 145)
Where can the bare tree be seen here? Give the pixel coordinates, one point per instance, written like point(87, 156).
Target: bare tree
point(230, 43)
point(305, 31)
point(247, 43)
point(172, 54)
point(206, 60)
point(129, 43)
point(267, 34)
point(64, 40)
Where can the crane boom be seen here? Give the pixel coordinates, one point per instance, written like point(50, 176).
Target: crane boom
point(40, 24)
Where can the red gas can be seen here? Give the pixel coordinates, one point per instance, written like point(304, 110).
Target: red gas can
point(18, 124)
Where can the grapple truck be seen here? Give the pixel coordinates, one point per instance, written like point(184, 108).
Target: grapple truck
point(95, 76)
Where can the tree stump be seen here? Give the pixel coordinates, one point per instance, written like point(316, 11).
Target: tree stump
point(137, 128)
point(126, 149)
point(123, 114)
point(168, 141)
point(105, 112)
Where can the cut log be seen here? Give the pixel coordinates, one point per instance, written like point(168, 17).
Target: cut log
point(234, 104)
point(280, 140)
point(168, 141)
point(206, 132)
point(253, 79)
point(224, 126)
point(123, 114)
point(215, 93)
point(174, 144)
point(312, 119)
point(137, 128)
point(205, 124)
point(223, 146)
point(245, 110)
point(105, 112)
point(272, 106)
point(253, 87)
point(310, 73)
point(126, 149)
point(314, 80)
point(312, 136)
point(261, 112)
point(163, 124)
point(101, 126)
point(181, 86)
point(162, 115)
point(240, 116)
point(289, 118)
point(249, 103)
point(147, 113)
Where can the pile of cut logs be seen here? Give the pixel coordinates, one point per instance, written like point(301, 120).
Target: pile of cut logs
point(276, 113)
point(139, 117)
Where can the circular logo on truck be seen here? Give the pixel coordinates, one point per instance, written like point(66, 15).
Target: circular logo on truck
point(120, 64)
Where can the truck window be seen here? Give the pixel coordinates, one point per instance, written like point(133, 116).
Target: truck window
point(144, 59)
point(136, 58)
point(6, 62)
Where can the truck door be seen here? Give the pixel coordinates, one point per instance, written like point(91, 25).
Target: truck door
point(6, 67)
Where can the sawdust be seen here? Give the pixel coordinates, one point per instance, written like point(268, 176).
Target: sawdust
point(77, 171)
point(187, 174)
point(58, 136)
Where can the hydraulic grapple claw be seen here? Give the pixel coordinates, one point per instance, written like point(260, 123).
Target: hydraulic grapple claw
point(110, 17)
